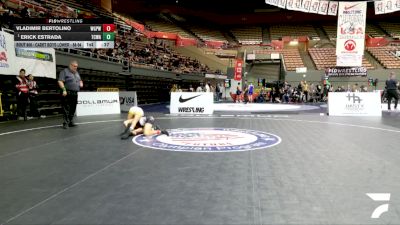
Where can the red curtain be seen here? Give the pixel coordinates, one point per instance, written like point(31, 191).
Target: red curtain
point(181, 41)
point(214, 44)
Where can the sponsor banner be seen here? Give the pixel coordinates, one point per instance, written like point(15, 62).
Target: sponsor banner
point(333, 8)
point(346, 72)
point(6, 52)
point(314, 6)
point(97, 103)
point(39, 62)
point(216, 76)
point(301, 70)
point(192, 103)
point(351, 28)
point(127, 99)
point(349, 60)
point(238, 69)
point(354, 104)
point(323, 7)
point(209, 140)
point(32, 54)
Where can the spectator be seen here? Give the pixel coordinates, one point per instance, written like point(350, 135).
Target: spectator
point(251, 92)
point(200, 88)
point(22, 95)
point(33, 93)
point(207, 87)
point(25, 13)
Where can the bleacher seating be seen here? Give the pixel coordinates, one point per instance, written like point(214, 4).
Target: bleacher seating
point(374, 31)
point(279, 31)
point(165, 26)
point(248, 35)
point(393, 29)
point(331, 31)
point(386, 56)
point(208, 34)
point(291, 57)
point(326, 57)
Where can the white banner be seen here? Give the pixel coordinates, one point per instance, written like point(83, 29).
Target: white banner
point(97, 103)
point(333, 8)
point(306, 5)
point(6, 52)
point(274, 2)
point(290, 4)
point(282, 4)
point(351, 31)
point(390, 6)
point(354, 104)
point(127, 99)
point(397, 5)
point(297, 5)
point(192, 103)
point(349, 60)
point(314, 6)
point(379, 9)
point(323, 7)
point(39, 62)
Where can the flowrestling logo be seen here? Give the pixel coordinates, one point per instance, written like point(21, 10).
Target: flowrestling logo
point(209, 140)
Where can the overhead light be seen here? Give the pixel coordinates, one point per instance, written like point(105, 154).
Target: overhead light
point(294, 43)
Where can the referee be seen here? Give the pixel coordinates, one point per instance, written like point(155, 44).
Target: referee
point(391, 88)
point(70, 83)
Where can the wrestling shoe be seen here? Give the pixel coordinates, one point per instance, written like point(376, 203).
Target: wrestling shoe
point(165, 132)
point(127, 128)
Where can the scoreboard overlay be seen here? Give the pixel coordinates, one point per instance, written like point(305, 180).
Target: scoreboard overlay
point(64, 33)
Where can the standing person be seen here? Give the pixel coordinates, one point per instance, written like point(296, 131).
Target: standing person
point(217, 92)
point(200, 88)
point(207, 87)
point(251, 92)
point(33, 93)
point(22, 95)
point(391, 87)
point(70, 83)
point(305, 90)
point(191, 89)
point(238, 94)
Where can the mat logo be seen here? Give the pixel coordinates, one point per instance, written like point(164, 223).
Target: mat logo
point(382, 208)
point(209, 140)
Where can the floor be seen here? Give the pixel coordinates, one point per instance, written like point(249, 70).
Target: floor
point(319, 172)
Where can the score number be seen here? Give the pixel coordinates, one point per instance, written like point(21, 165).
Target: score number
point(108, 27)
point(108, 32)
